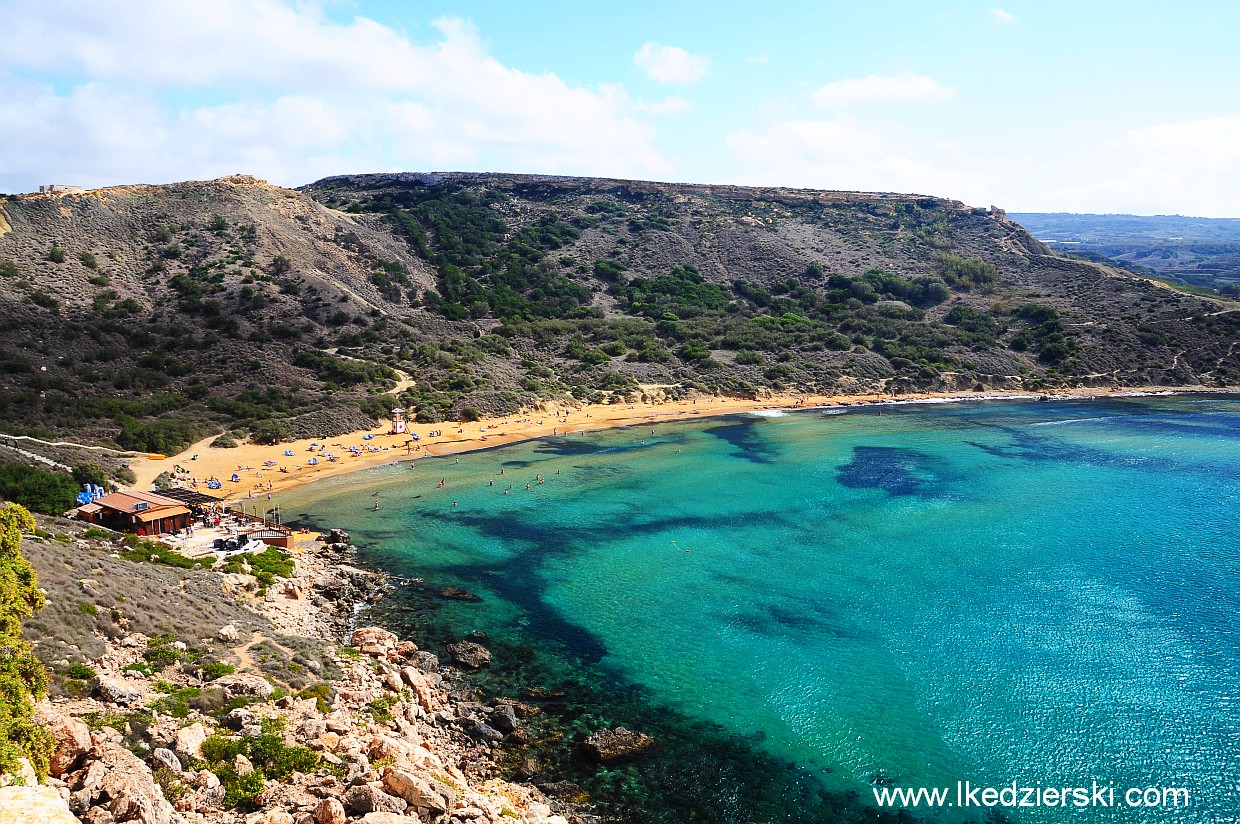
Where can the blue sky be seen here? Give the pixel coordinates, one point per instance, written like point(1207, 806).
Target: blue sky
point(1032, 106)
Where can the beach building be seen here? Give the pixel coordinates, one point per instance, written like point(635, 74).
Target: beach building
point(144, 513)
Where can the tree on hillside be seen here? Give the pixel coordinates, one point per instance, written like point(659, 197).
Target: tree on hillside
point(22, 677)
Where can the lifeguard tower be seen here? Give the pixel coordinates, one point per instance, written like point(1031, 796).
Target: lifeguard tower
point(398, 421)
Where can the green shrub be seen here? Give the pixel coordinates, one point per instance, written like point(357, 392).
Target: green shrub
point(160, 656)
point(242, 790)
point(56, 254)
point(81, 671)
point(381, 708)
point(76, 688)
point(158, 554)
point(8, 269)
point(95, 532)
point(22, 677)
point(217, 749)
point(322, 695)
point(225, 441)
point(215, 670)
point(140, 667)
point(88, 609)
point(177, 699)
point(88, 260)
point(37, 489)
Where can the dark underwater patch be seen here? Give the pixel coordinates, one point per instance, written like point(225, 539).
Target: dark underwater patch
point(745, 436)
point(894, 470)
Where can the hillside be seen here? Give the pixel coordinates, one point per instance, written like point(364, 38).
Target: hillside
point(147, 316)
point(1195, 251)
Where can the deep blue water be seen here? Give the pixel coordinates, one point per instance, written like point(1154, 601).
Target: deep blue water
point(1042, 593)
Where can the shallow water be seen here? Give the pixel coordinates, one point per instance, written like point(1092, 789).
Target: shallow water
point(1042, 592)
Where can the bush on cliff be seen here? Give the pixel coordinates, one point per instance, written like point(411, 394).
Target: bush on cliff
point(37, 489)
point(22, 677)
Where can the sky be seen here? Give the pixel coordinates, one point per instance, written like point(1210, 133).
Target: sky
point(1030, 105)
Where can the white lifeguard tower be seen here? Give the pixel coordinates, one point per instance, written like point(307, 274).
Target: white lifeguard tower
point(398, 421)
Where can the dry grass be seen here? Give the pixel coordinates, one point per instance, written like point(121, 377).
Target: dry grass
point(127, 597)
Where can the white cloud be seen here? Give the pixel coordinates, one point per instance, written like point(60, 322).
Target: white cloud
point(667, 106)
point(1189, 167)
point(844, 154)
point(156, 91)
point(669, 64)
point(896, 88)
point(1002, 17)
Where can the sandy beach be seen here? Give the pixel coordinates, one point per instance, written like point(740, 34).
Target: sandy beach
point(266, 468)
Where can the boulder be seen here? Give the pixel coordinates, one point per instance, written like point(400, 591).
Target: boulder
point(329, 811)
point(23, 775)
point(189, 740)
point(481, 732)
point(166, 758)
point(277, 817)
point(374, 641)
point(34, 805)
point(504, 718)
point(72, 738)
point(390, 818)
point(366, 798)
point(242, 765)
point(286, 796)
point(606, 745)
point(337, 536)
point(129, 791)
point(424, 688)
point(468, 654)
point(228, 632)
point(419, 792)
point(244, 683)
point(120, 690)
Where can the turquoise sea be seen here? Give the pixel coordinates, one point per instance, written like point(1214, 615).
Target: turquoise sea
point(805, 606)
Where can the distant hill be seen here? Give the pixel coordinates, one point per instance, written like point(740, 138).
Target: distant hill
point(1197, 251)
point(150, 316)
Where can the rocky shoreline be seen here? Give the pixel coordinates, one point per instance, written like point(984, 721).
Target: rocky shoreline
point(390, 741)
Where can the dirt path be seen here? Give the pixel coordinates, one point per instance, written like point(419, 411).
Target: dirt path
point(246, 662)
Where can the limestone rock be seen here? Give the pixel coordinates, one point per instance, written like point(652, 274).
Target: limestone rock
point(423, 686)
point(337, 536)
point(120, 690)
point(374, 641)
point(365, 798)
point(167, 759)
point(606, 745)
point(390, 818)
point(244, 683)
point(129, 791)
point(277, 817)
point(329, 811)
point(228, 632)
point(34, 805)
point(469, 654)
point(242, 765)
point(419, 792)
point(189, 740)
point(71, 734)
